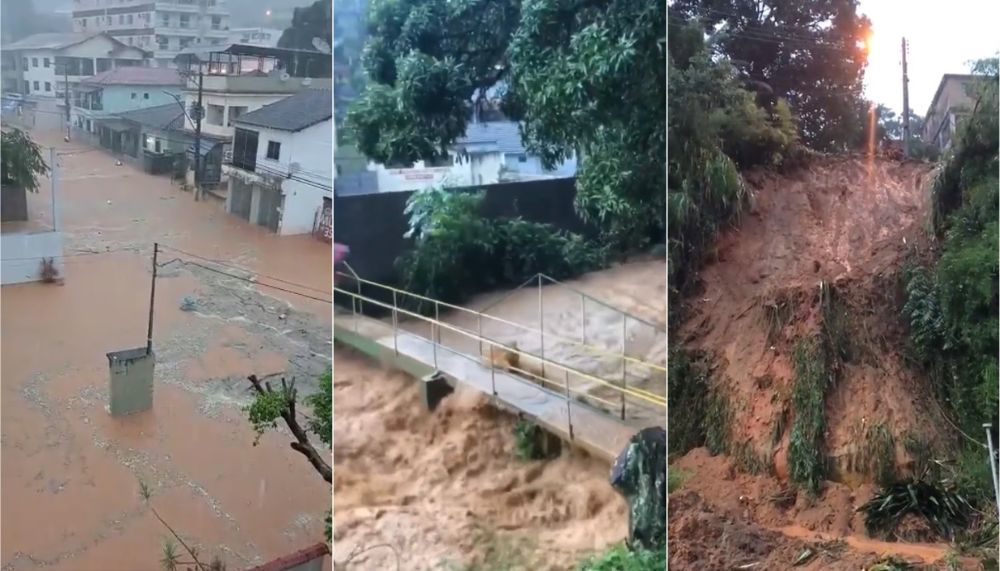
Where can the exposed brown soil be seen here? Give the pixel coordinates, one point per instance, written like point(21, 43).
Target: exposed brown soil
point(445, 487)
point(849, 223)
point(727, 518)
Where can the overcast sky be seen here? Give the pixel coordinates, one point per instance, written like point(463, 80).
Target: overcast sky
point(943, 36)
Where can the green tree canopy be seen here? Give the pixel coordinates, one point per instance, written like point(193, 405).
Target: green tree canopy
point(808, 53)
point(22, 160)
point(581, 76)
point(313, 21)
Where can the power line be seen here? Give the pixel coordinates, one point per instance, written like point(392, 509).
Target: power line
point(76, 255)
point(188, 262)
point(223, 264)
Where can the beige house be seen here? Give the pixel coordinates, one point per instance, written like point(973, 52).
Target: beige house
point(951, 102)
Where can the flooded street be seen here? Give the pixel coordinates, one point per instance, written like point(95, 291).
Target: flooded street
point(71, 472)
point(444, 490)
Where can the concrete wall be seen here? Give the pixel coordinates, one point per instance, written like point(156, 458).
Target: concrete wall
point(311, 149)
point(23, 253)
point(372, 225)
point(118, 98)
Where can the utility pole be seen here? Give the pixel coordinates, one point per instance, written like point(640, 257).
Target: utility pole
point(197, 137)
point(152, 298)
point(906, 106)
point(66, 96)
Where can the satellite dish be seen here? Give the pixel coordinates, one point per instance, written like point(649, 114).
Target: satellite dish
point(294, 168)
point(307, 81)
point(284, 76)
point(321, 45)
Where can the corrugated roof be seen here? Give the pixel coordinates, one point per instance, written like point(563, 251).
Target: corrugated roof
point(167, 117)
point(294, 113)
point(133, 75)
point(504, 134)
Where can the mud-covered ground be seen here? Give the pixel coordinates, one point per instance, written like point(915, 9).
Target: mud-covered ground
point(445, 488)
point(71, 472)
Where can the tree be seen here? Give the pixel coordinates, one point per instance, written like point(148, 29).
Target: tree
point(581, 76)
point(809, 53)
point(313, 21)
point(22, 161)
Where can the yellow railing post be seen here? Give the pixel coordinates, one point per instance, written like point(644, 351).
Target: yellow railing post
point(395, 325)
point(541, 325)
point(569, 415)
point(624, 361)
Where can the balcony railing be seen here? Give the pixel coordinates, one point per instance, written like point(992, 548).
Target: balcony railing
point(256, 84)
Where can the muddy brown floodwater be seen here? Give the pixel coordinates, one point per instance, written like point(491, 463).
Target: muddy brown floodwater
point(70, 491)
point(444, 488)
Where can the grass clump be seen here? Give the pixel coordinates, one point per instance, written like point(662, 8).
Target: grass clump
point(675, 479)
point(687, 387)
point(944, 509)
point(620, 558)
point(805, 451)
point(532, 442)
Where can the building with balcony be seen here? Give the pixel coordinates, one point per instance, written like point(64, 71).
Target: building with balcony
point(953, 101)
point(281, 175)
point(163, 27)
point(120, 90)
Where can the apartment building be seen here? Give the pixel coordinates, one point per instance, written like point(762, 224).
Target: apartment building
point(163, 27)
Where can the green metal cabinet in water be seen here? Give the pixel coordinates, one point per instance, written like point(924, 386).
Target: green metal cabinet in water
point(131, 373)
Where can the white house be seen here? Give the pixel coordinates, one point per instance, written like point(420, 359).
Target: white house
point(488, 153)
point(281, 169)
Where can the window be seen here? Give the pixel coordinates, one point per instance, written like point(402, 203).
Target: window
point(134, 95)
point(522, 158)
point(165, 20)
point(273, 150)
point(34, 62)
point(185, 20)
point(83, 22)
point(157, 145)
point(163, 42)
point(245, 149)
point(48, 86)
point(35, 86)
point(45, 62)
point(185, 42)
point(128, 19)
point(121, 18)
point(24, 62)
point(216, 22)
point(107, 20)
point(145, 96)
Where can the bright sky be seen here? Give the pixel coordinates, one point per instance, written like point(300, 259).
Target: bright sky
point(942, 36)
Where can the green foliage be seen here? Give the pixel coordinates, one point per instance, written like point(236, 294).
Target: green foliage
point(620, 558)
point(953, 308)
point(944, 509)
point(531, 442)
point(308, 22)
point(806, 459)
point(715, 128)
point(321, 415)
point(814, 60)
point(22, 161)
point(585, 78)
point(265, 411)
point(459, 253)
point(675, 479)
point(687, 388)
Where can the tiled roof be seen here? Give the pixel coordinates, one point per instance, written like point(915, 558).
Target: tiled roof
point(134, 75)
point(294, 113)
point(49, 41)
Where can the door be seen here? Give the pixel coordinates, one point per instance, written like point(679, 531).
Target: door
point(241, 198)
point(271, 201)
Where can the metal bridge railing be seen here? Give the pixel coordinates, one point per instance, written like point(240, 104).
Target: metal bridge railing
point(629, 366)
point(569, 385)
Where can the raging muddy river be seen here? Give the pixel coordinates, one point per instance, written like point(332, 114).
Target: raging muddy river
point(443, 490)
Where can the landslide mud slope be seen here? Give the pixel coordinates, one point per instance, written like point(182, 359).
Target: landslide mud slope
point(843, 221)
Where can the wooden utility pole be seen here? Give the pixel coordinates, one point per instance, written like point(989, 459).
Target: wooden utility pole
point(152, 298)
point(906, 106)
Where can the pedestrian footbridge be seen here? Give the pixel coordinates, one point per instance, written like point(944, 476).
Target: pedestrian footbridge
point(598, 408)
